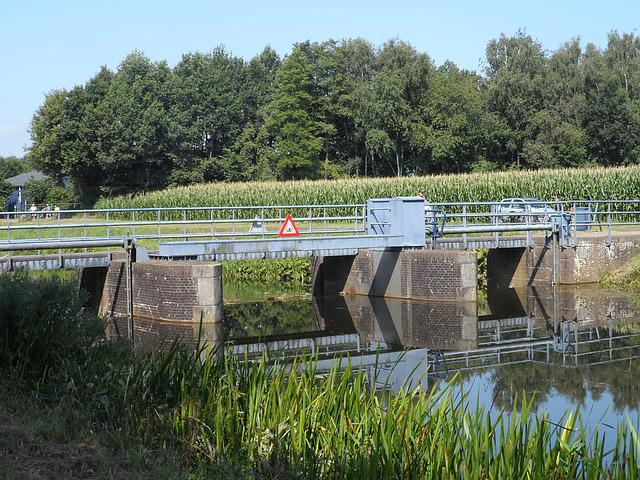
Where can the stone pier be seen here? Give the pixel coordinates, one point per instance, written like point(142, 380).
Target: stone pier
point(583, 263)
point(169, 291)
point(436, 275)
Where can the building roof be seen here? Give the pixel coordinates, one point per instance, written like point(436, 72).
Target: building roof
point(22, 179)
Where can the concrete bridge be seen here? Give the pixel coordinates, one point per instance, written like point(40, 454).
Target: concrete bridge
point(388, 247)
point(226, 233)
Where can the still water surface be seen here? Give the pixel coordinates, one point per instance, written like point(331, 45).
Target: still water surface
point(570, 347)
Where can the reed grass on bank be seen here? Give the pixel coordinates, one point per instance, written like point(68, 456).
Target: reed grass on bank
point(625, 278)
point(268, 421)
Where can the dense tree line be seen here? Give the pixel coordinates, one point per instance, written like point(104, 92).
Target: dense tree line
point(341, 108)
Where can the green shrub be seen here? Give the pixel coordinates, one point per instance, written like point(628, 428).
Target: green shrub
point(43, 327)
point(626, 278)
point(291, 270)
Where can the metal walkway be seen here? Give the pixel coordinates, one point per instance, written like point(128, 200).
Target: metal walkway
point(220, 233)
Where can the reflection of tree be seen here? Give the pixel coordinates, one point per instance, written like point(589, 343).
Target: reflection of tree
point(602, 367)
point(510, 381)
point(260, 319)
point(622, 383)
point(619, 379)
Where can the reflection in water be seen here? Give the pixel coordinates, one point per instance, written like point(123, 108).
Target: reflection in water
point(572, 347)
point(155, 336)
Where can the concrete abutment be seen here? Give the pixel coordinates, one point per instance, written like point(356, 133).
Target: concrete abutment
point(582, 262)
point(192, 291)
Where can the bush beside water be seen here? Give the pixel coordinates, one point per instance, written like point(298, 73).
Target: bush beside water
point(625, 278)
point(289, 270)
point(235, 419)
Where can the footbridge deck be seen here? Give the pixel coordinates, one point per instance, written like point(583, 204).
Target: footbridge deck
point(221, 233)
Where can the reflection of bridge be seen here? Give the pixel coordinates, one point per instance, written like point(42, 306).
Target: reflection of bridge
point(400, 338)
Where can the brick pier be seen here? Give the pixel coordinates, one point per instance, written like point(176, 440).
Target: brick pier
point(583, 263)
point(171, 291)
point(440, 275)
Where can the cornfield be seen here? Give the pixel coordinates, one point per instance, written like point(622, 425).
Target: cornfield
point(619, 183)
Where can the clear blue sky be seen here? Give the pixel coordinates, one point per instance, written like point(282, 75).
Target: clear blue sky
point(46, 45)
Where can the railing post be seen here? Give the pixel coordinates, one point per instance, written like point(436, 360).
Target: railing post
point(184, 224)
point(528, 233)
point(355, 222)
point(560, 234)
point(574, 218)
point(365, 217)
point(130, 249)
point(158, 219)
point(608, 224)
point(554, 267)
point(233, 221)
point(108, 227)
point(324, 213)
point(464, 224)
point(212, 224)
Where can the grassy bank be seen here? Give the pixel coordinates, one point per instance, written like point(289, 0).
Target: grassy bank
point(223, 418)
point(54, 368)
point(56, 440)
point(626, 278)
point(583, 183)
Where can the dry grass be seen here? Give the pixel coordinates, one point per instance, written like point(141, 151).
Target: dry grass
point(33, 446)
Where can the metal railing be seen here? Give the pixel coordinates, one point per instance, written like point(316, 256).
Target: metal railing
point(605, 216)
point(152, 225)
point(158, 224)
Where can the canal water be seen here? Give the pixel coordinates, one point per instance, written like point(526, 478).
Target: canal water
point(572, 347)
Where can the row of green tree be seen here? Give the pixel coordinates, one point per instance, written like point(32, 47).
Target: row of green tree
point(341, 108)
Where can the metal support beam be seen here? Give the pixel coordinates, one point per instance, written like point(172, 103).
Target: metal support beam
point(276, 248)
point(131, 258)
point(453, 229)
point(55, 245)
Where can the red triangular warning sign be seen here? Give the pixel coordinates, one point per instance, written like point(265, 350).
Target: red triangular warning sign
point(288, 228)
